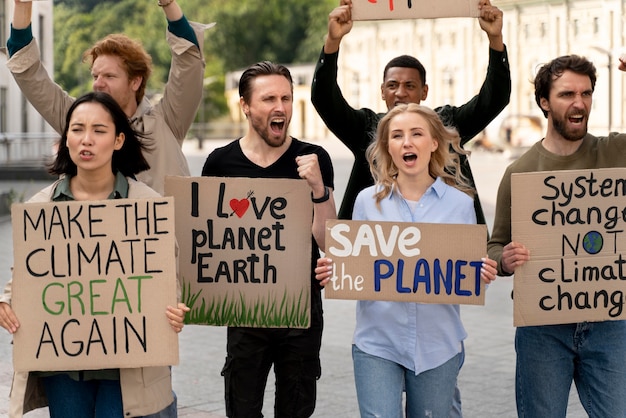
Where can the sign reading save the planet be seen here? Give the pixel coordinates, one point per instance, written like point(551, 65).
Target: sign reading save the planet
point(406, 262)
point(245, 250)
point(574, 224)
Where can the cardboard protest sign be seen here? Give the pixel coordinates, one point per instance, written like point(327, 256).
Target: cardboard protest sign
point(406, 262)
point(245, 250)
point(412, 9)
point(573, 223)
point(91, 283)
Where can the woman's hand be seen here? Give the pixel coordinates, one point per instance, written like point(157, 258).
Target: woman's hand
point(8, 320)
point(488, 270)
point(176, 316)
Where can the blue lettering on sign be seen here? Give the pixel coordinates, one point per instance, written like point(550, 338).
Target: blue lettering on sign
point(442, 276)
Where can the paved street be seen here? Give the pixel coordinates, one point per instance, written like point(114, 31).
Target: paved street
point(486, 380)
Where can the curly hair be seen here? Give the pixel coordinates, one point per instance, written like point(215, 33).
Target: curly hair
point(444, 161)
point(129, 159)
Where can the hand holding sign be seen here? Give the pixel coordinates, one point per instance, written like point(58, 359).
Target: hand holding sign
point(339, 25)
point(514, 255)
point(8, 320)
point(491, 22)
point(176, 316)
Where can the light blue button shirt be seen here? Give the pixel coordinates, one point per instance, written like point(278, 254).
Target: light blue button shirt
point(417, 336)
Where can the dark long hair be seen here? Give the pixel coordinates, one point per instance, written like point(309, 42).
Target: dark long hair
point(129, 159)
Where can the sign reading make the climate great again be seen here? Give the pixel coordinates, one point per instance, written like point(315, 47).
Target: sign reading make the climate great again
point(91, 284)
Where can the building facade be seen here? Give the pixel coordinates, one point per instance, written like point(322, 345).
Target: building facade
point(21, 127)
point(455, 54)
point(16, 114)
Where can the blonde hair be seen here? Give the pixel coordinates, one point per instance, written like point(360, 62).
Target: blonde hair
point(444, 161)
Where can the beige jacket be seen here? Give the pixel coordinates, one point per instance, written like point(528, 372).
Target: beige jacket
point(145, 390)
point(164, 124)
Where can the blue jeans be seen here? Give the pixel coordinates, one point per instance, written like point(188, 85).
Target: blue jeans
point(68, 398)
point(592, 354)
point(456, 411)
point(380, 383)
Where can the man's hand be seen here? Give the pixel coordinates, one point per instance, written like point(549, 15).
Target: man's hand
point(514, 255)
point(22, 14)
point(309, 169)
point(339, 24)
point(324, 270)
point(622, 63)
point(491, 22)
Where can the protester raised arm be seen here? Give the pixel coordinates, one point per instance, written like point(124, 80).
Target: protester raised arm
point(22, 14)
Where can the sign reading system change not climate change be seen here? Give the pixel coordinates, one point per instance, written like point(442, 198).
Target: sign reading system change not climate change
point(574, 224)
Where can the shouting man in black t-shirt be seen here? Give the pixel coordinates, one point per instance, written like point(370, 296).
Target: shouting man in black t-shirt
point(267, 151)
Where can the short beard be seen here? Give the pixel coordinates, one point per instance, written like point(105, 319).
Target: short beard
point(262, 131)
point(573, 136)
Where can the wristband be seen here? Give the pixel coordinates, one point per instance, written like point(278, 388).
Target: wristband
point(163, 3)
point(323, 198)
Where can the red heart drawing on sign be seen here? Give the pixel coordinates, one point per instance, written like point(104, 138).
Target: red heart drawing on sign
point(239, 206)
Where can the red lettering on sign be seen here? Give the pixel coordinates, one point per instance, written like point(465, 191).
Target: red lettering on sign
point(390, 3)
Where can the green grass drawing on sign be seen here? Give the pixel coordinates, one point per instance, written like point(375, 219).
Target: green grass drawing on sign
point(267, 311)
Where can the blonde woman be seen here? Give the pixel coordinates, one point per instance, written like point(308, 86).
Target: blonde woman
point(399, 346)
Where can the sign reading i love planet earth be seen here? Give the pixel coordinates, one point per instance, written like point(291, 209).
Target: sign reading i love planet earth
point(574, 224)
point(245, 250)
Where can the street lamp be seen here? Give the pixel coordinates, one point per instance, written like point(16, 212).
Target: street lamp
point(609, 56)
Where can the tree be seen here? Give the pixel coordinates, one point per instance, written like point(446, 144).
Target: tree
point(273, 30)
point(79, 5)
point(247, 31)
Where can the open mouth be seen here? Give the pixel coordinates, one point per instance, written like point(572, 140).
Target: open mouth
point(409, 157)
point(576, 118)
point(277, 125)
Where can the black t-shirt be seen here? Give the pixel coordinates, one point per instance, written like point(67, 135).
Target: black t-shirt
point(230, 161)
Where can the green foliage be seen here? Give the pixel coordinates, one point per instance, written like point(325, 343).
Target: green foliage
point(247, 31)
point(274, 30)
point(79, 5)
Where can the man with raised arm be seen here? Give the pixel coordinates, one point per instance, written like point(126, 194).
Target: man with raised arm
point(121, 67)
point(404, 82)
